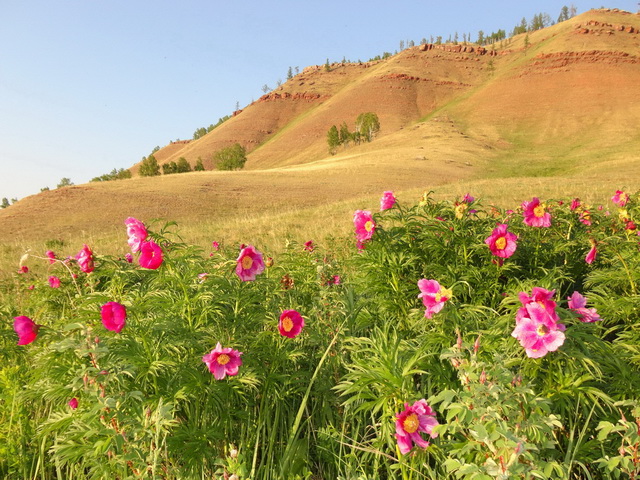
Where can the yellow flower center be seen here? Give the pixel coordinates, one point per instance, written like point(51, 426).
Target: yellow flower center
point(369, 226)
point(539, 211)
point(443, 293)
point(460, 209)
point(411, 423)
point(501, 243)
point(223, 359)
point(542, 330)
point(246, 262)
point(287, 324)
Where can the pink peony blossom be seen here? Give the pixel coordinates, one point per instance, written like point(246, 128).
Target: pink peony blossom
point(543, 298)
point(578, 304)
point(387, 201)
point(215, 246)
point(468, 198)
point(413, 420)
point(223, 361)
point(249, 264)
point(23, 269)
point(585, 217)
point(591, 256)
point(309, 246)
point(575, 203)
point(290, 323)
point(54, 282)
point(73, 403)
point(364, 225)
point(150, 255)
point(433, 296)
point(537, 332)
point(26, 329)
point(620, 198)
point(535, 213)
point(137, 233)
point(85, 259)
point(336, 279)
point(51, 256)
point(501, 242)
point(114, 316)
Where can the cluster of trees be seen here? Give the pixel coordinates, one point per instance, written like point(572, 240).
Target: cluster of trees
point(182, 166)
point(151, 168)
point(115, 174)
point(230, 158)
point(5, 202)
point(201, 132)
point(366, 127)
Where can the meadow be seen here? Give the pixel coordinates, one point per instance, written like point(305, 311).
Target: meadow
point(428, 337)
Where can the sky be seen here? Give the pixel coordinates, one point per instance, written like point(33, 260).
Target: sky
point(88, 86)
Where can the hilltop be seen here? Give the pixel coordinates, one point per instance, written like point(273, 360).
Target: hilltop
point(551, 111)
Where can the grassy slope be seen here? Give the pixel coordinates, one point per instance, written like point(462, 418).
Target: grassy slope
point(524, 127)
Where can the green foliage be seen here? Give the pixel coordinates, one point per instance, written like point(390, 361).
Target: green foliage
point(64, 182)
point(183, 165)
point(199, 166)
point(367, 125)
point(230, 158)
point(5, 202)
point(333, 139)
point(149, 167)
point(115, 174)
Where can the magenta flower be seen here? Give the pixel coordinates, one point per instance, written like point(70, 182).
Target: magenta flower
point(535, 213)
point(150, 255)
point(216, 246)
point(585, 217)
point(468, 198)
point(543, 298)
point(433, 296)
point(501, 242)
point(51, 256)
point(26, 329)
point(290, 323)
point(85, 259)
point(591, 256)
point(364, 225)
point(578, 304)
point(537, 331)
point(114, 316)
point(249, 264)
point(309, 246)
point(387, 201)
point(73, 403)
point(23, 269)
point(337, 280)
point(575, 203)
point(223, 361)
point(137, 233)
point(620, 198)
point(128, 257)
point(54, 282)
point(415, 419)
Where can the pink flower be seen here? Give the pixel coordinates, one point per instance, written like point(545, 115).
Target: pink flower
point(150, 255)
point(23, 269)
point(309, 246)
point(591, 256)
point(128, 257)
point(575, 203)
point(364, 225)
point(387, 201)
point(620, 198)
point(501, 242)
point(336, 280)
point(73, 403)
point(416, 418)
point(578, 304)
point(51, 256)
point(585, 217)
point(54, 282)
point(290, 324)
point(114, 316)
point(85, 259)
point(202, 277)
point(535, 213)
point(216, 246)
point(468, 198)
point(26, 329)
point(433, 296)
point(137, 233)
point(223, 361)
point(537, 332)
point(541, 297)
point(249, 264)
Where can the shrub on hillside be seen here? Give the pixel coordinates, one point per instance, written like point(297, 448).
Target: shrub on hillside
point(149, 167)
point(230, 158)
point(115, 174)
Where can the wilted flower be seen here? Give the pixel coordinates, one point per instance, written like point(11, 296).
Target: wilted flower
point(223, 361)
point(73, 403)
point(150, 255)
point(249, 264)
point(537, 331)
point(51, 256)
point(137, 233)
point(202, 277)
point(433, 296)
point(415, 419)
point(535, 213)
point(387, 201)
point(26, 329)
point(114, 316)
point(54, 282)
point(591, 256)
point(290, 323)
point(501, 242)
point(85, 259)
point(128, 257)
point(620, 198)
point(364, 225)
point(585, 217)
point(578, 304)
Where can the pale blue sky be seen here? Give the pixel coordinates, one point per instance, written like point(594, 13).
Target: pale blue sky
point(87, 86)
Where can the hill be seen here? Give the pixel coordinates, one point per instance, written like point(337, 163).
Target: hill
point(553, 111)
